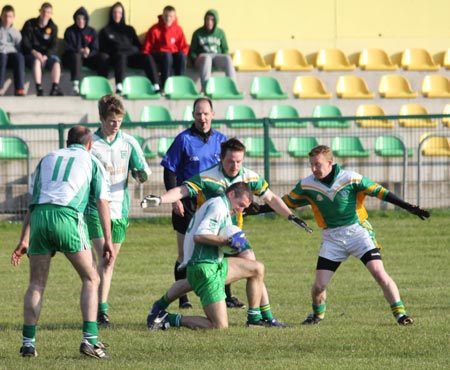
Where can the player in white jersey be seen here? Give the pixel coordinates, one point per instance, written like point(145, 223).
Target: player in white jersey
point(119, 153)
point(207, 270)
point(63, 183)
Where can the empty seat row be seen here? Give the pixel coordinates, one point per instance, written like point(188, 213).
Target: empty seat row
point(334, 59)
point(268, 87)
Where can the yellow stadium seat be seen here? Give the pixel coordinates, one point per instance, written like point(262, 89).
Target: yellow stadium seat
point(414, 59)
point(436, 86)
point(446, 120)
point(310, 87)
point(395, 86)
point(367, 110)
point(333, 59)
point(414, 110)
point(375, 60)
point(434, 145)
point(353, 87)
point(249, 60)
point(291, 60)
point(446, 59)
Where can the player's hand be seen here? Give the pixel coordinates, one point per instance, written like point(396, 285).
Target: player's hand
point(419, 212)
point(252, 209)
point(139, 175)
point(108, 252)
point(299, 223)
point(18, 253)
point(178, 208)
point(238, 240)
point(150, 201)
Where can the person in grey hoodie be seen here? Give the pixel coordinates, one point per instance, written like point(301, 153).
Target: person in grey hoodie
point(209, 48)
point(10, 55)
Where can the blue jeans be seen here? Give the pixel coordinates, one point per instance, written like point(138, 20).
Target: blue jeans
point(16, 61)
point(169, 64)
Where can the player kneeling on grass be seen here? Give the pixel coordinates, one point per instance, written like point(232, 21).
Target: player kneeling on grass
point(337, 198)
point(208, 271)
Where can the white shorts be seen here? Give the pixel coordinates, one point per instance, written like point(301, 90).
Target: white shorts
point(351, 240)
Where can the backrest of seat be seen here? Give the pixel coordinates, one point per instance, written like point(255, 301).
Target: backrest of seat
point(180, 87)
point(418, 59)
point(239, 112)
point(291, 60)
point(435, 85)
point(12, 147)
point(394, 85)
point(265, 84)
point(384, 143)
point(333, 59)
point(221, 84)
point(301, 146)
point(346, 143)
point(4, 119)
point(249, 60)
point(283, 111)
point(412, 109)
point(364, 110)
point(164, 144)
point(154, 113)
point(326, 110)
point(187, 114)
point(309, 86)
point(349, 85)
point(94, 87)
point(375, 59)
point(136, 84)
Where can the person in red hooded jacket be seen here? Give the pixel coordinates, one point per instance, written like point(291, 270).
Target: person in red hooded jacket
point(166, 42)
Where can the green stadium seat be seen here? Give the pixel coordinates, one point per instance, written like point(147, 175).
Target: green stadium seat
point(235, 113)
point(285, 111)
point(4, 119)
point(348, 146)
point(329, 111)
point(254, 147)
point(94, 87)
point(164, 144)
point(180, 88)
point(222, 87)
point(138, 87)
point(157, 113)
point(266, 87)
point(145, 147)
point(299, 147)
point(390, 146)
point(12, 147)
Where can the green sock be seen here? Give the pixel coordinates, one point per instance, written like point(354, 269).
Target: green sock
point(319, 310)
point(163, 302)
point(175, 319)
point(103, 307)
point(266, 311)
point(90, 331)
point(398, 309)
point(29, 335)
point(254, 314)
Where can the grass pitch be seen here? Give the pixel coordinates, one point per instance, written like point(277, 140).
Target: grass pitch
point(359, 331)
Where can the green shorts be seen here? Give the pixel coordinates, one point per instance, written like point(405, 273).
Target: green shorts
point(208, 281)
point(56, 228)
point(118, 228)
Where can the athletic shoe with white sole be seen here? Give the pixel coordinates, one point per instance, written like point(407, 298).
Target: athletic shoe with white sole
point(28, 351)
point(161, 321)
point(94, 350)
point(233, 302)
point(274, 323)
point(103, 319)
point(312, 319)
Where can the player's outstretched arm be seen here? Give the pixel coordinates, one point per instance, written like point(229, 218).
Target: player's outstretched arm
point(171, 196)
point(413, 209)
point(22, 247)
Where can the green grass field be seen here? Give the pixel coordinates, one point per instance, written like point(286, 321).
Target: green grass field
point(359, 331)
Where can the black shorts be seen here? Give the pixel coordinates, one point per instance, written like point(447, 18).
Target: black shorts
point(181, 224)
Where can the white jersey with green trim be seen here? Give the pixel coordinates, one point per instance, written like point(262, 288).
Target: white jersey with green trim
point(118, 157)
point(69, 177)
point(209, 219)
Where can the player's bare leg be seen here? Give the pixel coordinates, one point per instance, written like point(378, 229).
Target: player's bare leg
point(179, 275)
point(319, 296)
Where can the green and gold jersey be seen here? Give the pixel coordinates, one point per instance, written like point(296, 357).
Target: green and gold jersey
point(339, 203)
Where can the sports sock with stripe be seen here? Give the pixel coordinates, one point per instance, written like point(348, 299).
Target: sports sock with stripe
point(266, 312)
point(254, 315)
point(319, 310)
point(90, 331)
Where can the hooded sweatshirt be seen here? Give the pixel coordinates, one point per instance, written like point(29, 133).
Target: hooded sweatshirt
point(9, 40)
point(76, 38)
point(211, 42)
point(119, 38)
point(162, 38)
point(43, 40)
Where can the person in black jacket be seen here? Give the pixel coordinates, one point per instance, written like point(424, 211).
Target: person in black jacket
point(39, 44)
point(81, 49)
point(121, 43)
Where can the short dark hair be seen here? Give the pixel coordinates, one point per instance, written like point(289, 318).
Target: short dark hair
point(203, 98)
point(45, 6)
point(168, 8)
point(240, 189)
point(110, 103)
point(232, 145)
point(7, 9)
point(79, 135)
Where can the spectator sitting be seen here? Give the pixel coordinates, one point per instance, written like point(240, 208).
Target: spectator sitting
point(166, 42)
point(10, 55)
point(81, 49)
point(209, 48)
point(121, 43)
point(39, 43)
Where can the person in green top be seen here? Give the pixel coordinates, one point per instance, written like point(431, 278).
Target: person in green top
point(337, 200)
point(209, 48)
